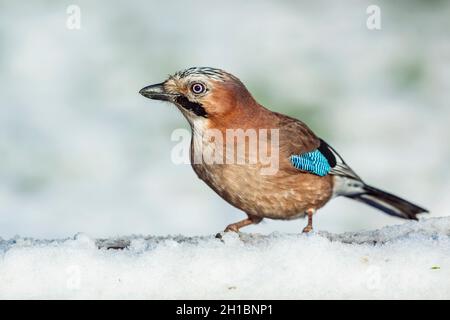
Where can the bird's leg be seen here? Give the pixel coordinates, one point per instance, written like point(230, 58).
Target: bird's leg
point(309, 226)
point(236, 226)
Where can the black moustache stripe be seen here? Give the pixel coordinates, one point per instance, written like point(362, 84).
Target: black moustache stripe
point(192, 106)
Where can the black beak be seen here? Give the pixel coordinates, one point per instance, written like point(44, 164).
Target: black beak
point(156, 92)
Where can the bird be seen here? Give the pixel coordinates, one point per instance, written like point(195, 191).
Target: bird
point(308, 172)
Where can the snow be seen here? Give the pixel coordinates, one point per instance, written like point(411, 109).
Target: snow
point(407, 261)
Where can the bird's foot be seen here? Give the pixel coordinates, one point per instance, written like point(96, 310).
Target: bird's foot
point(309, 226)
point(307, 229)
point(232, 228)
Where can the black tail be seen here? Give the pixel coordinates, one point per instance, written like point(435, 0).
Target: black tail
point(387, 203)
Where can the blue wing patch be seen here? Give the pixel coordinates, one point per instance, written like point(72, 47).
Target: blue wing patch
point(312, 162)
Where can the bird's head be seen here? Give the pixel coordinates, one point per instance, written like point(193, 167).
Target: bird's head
point(201, 93)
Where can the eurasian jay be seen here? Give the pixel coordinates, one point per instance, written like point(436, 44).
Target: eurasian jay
point(308, 172)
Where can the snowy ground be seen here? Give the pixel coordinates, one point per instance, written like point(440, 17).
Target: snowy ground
point(409, 261)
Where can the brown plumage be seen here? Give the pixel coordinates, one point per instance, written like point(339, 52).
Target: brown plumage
point(213, 100)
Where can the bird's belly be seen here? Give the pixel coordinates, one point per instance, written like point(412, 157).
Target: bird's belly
point(284, 195)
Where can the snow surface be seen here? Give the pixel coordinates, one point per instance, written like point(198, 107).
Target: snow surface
point(407, 261)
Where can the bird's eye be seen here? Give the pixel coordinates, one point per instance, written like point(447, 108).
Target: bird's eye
point(198, 88)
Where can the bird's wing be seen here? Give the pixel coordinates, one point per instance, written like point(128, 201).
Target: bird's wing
point(295, 136)
point(309, 153)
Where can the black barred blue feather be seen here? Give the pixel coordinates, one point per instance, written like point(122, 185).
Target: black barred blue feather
point(325, 160)
point(313, 162)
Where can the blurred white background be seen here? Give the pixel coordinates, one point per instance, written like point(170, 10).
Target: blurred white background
point(81, 150)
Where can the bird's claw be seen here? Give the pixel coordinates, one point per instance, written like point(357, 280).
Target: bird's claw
point(307, 229)
point(232, 228)
point(218, 236)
